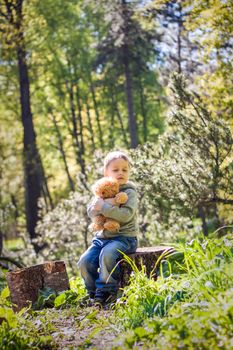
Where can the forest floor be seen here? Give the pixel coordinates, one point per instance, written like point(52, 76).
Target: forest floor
point(87, 328)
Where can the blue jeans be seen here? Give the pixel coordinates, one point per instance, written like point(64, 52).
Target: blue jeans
point(97, 263)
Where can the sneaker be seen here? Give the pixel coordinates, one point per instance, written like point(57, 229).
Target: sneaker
point(87, 300)
point(103, 299)
point(111, 300)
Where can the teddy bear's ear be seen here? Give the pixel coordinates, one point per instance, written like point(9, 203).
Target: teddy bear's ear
point(96, 186)
point(111, 180)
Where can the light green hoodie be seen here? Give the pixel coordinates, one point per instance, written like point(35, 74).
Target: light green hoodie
point(126, 214)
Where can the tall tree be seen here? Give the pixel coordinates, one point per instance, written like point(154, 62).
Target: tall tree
point(62, 150)
point(178, 49)
point(119, 51)
point(13, 16)
point(212, 23)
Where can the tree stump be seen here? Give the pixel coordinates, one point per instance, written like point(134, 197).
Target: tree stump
point(25, 283)
point(147, 257)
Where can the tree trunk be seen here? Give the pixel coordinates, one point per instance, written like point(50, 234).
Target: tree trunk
point(129, 97)
point(96, 113)
point(33, 181)
point(80, 120)
point(143, 111)
point(90, 128)
point(45, 187)
point(1, 241)
point(25, 284)
point(128, 80)
point(62, 151)
point(32, 163)
point(77, 145)
point(121, 125)
point(201, 214)
point(179, 35)
point(111, 129)
point(114, 104)
point(147, 257)
point(33, 184)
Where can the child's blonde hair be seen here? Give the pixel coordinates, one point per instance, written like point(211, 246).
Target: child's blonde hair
point(115, 155)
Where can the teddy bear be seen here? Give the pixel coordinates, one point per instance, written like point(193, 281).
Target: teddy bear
point(107, 187)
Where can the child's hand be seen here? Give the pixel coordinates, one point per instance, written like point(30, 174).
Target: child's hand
point(111, 201)
point(98, 203)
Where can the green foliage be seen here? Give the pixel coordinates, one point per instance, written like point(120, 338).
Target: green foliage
point(74, 54)
point(146, 297)
point(45, 298)
point(73, 296)
point(188, 306)
point(193, 309)
point(189, 168)
point(16, 332)
point(76, 50)
point(49, 298)
point(173, 177)
point(212, 24)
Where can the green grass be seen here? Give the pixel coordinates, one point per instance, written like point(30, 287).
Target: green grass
point(192, 309)
point(190, 306)
point(14, 244)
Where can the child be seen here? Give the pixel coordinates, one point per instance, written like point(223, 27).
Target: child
point(97, 263)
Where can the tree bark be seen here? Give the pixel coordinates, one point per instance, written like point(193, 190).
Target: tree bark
point(100, 132)
point(25, 284)
point(32, 162)
point(179, 35)
point(143, 111)
point(129, 97)
point(111, 140)
point(90, 128)
point(128, 81)
point(45, 187)
point(145, 256)
point(201, 214)
point(1, 242)
point(76, 141)
point(33, 183)
point(80, 120)
point(62, 151)
point(116, 109)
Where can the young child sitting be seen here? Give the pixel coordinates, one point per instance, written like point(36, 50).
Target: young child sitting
point(98, 264)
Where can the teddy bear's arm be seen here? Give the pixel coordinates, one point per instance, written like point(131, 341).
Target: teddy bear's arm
point(123, 213)
point(121, 198)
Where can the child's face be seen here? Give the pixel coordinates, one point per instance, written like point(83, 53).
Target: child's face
point(119, 170)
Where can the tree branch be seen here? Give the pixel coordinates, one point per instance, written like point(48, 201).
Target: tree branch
point(12, 261)
point(218, 200)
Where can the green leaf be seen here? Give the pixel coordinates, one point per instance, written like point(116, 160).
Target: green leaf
point(7, 314)
point(5, 293)
point(60, 300)
point(46, 298)
point(140, 332)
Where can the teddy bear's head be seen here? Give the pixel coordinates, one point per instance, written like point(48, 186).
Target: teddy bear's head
point(106, 187)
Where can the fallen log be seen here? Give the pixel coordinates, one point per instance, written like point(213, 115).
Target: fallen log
point(145, 257)
point(24, 284)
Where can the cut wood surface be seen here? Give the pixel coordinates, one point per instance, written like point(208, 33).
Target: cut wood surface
point(24, 284)
point(145, 256)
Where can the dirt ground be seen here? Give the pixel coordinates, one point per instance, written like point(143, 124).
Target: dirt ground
point(82, 329)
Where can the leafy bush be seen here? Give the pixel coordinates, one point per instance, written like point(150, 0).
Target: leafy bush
point(48, 297)
point(16, 331)
point(181, 180)
point(191, 310)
